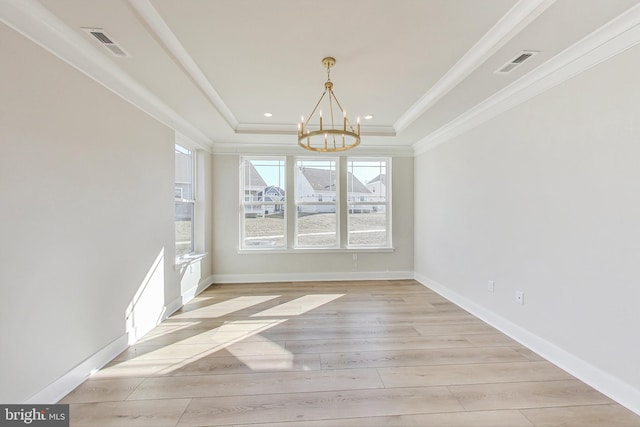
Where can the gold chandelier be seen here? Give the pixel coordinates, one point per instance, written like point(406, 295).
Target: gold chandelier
point(334, 136)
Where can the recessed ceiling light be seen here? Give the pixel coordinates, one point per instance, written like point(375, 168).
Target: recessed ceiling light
point(268, 114)
point(368, 117)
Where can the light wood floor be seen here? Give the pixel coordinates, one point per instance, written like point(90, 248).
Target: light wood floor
point(379, 353)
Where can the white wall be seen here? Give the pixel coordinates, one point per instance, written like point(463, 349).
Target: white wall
point(86, 182)
point(231, 266)
point(546, 199)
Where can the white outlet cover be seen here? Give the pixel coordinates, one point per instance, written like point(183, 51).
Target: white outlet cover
point(520, 297)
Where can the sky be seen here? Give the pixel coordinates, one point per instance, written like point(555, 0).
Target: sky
point(272, 170)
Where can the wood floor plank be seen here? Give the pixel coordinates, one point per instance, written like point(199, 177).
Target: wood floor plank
point(449, 356)
point(255, 384)
point(509, 418)
point(583, 416)
point(149, 413)
point(471, 374)
point(100, 390)
point(455, 329)
point(539, 394)
point(212, 365)
point(318, 406)
point(373, 344)
point(284, 333)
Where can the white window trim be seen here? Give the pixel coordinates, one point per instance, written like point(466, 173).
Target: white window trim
point(193, 254)
point(386, 203)
point(295, 245)
point(243, 203)
point(341, 203)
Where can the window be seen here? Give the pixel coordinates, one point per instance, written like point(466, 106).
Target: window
point(368, 202)
point(263, 203)
point(317, 185)
point(334, 203)
point(184, 201)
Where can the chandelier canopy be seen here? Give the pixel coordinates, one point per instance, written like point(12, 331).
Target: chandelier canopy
point(332, 136)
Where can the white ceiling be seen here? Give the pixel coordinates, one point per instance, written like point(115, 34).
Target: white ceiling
point(211, 69)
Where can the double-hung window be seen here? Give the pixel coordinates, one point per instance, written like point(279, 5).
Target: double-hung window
point(263, 203)
point(184, 201)
point(317, 199)
point(368, 189)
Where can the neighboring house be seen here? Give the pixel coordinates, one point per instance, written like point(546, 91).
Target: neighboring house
point(183, 186)
point(318, 185)
point(254, 186)
point(378, 188)
point(272, 194)
point(378, 185)
point(184, 178)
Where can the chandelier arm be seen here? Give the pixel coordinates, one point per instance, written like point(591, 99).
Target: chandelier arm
point(333, 125)
point(315, 108)
point(342, 109)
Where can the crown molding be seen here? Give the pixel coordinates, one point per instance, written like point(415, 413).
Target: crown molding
point(517, 18)
point(170, 42)
point(291, 129)
point(618, 35)
point(38, 24)
point(294, 149)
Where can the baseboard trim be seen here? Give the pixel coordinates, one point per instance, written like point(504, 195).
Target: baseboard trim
point(76, 376)
point(190, 294)
point(311, 277)
point(611, 386)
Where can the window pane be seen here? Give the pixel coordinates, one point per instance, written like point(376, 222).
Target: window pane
point(184, 228)
point(264, 180)
point(184, 205)
point(367, 225)
point(263, 203)
point(264, 226)
point(316, 226)
point(316, 181)
point(367, 180)
point(184, 173)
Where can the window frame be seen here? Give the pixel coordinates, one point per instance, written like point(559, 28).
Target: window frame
point(186, 201)
point(335, 202)
point(387, 203)
point(243, 203)
point(341, 203)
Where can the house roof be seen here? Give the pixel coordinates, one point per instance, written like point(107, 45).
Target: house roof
point(325, 180)
point(252, 177)
point(380, 178)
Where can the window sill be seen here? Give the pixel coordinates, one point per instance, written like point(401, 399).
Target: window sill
point(265, 251)
point(184, 260)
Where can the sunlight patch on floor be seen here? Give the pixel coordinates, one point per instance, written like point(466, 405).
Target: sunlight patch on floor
point(299, 306)
point(225, 307)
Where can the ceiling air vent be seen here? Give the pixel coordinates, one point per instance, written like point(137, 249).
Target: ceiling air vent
point(515, 62)
point(106, 41)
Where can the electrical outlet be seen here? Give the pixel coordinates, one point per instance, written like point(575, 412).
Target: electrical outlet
point(355, 256)
point(520, 297)
point(491, 286)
